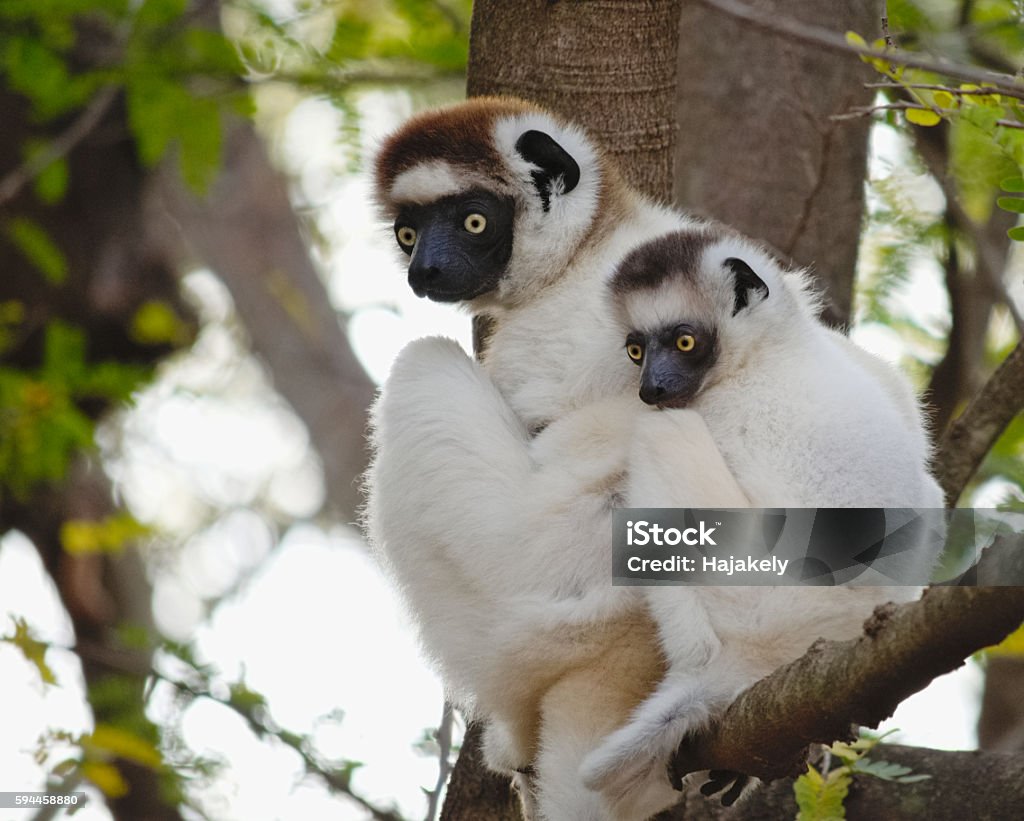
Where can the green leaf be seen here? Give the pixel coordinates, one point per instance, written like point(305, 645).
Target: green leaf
point(52, 182)
point(34, 651)
point(155, 323)
point(134, 636)
point(34, 70)
point(109, 535)
point(63, 352)
point(107, 739)
point(1016, 233)
point(1013, 204)
point(886, 770)
point(245, 700)
point(162, 112)
point(112, 381)
point(154, 105)
point(200, 139)
point(33, 241)
point(922, 116)
point(821, 798)
point(106, 777)
point(157, 14)
point(855, 39)
point(984, 117)
point(1014, 184)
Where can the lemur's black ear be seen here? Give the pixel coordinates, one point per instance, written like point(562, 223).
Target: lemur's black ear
point(552, 162)
point(745, 281)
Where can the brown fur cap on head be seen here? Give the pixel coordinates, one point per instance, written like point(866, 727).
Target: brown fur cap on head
point(461, 134)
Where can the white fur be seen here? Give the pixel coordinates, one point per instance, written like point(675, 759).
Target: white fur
point(545, 241)
point(554, 354)
point(428, 181)
point(501, 542)
point(509, 615)
point(473, 515)
point(799, 420)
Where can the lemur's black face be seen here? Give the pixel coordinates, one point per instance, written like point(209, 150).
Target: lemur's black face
point(459, 245)
point(674, 362)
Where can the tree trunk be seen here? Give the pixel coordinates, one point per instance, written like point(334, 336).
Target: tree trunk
point(475, 792)
point(608, 65)
point(756, 148)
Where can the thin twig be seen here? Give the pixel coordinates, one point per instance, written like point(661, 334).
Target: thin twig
point(127, 662)
point(444, 761)
point(827, 39)
point(890, 43)
point(868, 110)
point(963, 92)
point(12, 184)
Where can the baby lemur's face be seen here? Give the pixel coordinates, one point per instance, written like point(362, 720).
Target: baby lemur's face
point(677, 294)
point(674, 362)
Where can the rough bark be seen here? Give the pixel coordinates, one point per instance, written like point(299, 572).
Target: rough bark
point(474, 791)
point(756, 147)
point(606, 64)
point(943, 797)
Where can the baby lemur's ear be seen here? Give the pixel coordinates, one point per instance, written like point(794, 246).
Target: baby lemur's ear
point(745, 282)
point(553, 163)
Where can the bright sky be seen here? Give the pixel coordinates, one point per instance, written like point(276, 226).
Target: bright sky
point(311, 624)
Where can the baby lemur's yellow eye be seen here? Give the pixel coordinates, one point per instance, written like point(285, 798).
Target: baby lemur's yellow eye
point(406, 236)
point(475, 223)
point(686, 342)
point(635, 351)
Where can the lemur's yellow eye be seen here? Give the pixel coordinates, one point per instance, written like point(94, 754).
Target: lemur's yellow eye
point(475, 223)
point(635, 351)
point(406, 236)
point(686, 342)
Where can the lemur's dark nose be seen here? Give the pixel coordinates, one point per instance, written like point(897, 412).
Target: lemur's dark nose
point(422, 276)
point(652, 394)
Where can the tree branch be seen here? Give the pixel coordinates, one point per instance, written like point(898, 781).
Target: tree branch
point(135, 664)
point(972, 434)
point(825, 38)
point(444, 759)
point(868, 110)
point(768, 728)
point(15, 180)
point(947, 796)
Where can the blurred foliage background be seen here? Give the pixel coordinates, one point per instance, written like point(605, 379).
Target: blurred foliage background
point(153, 249)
